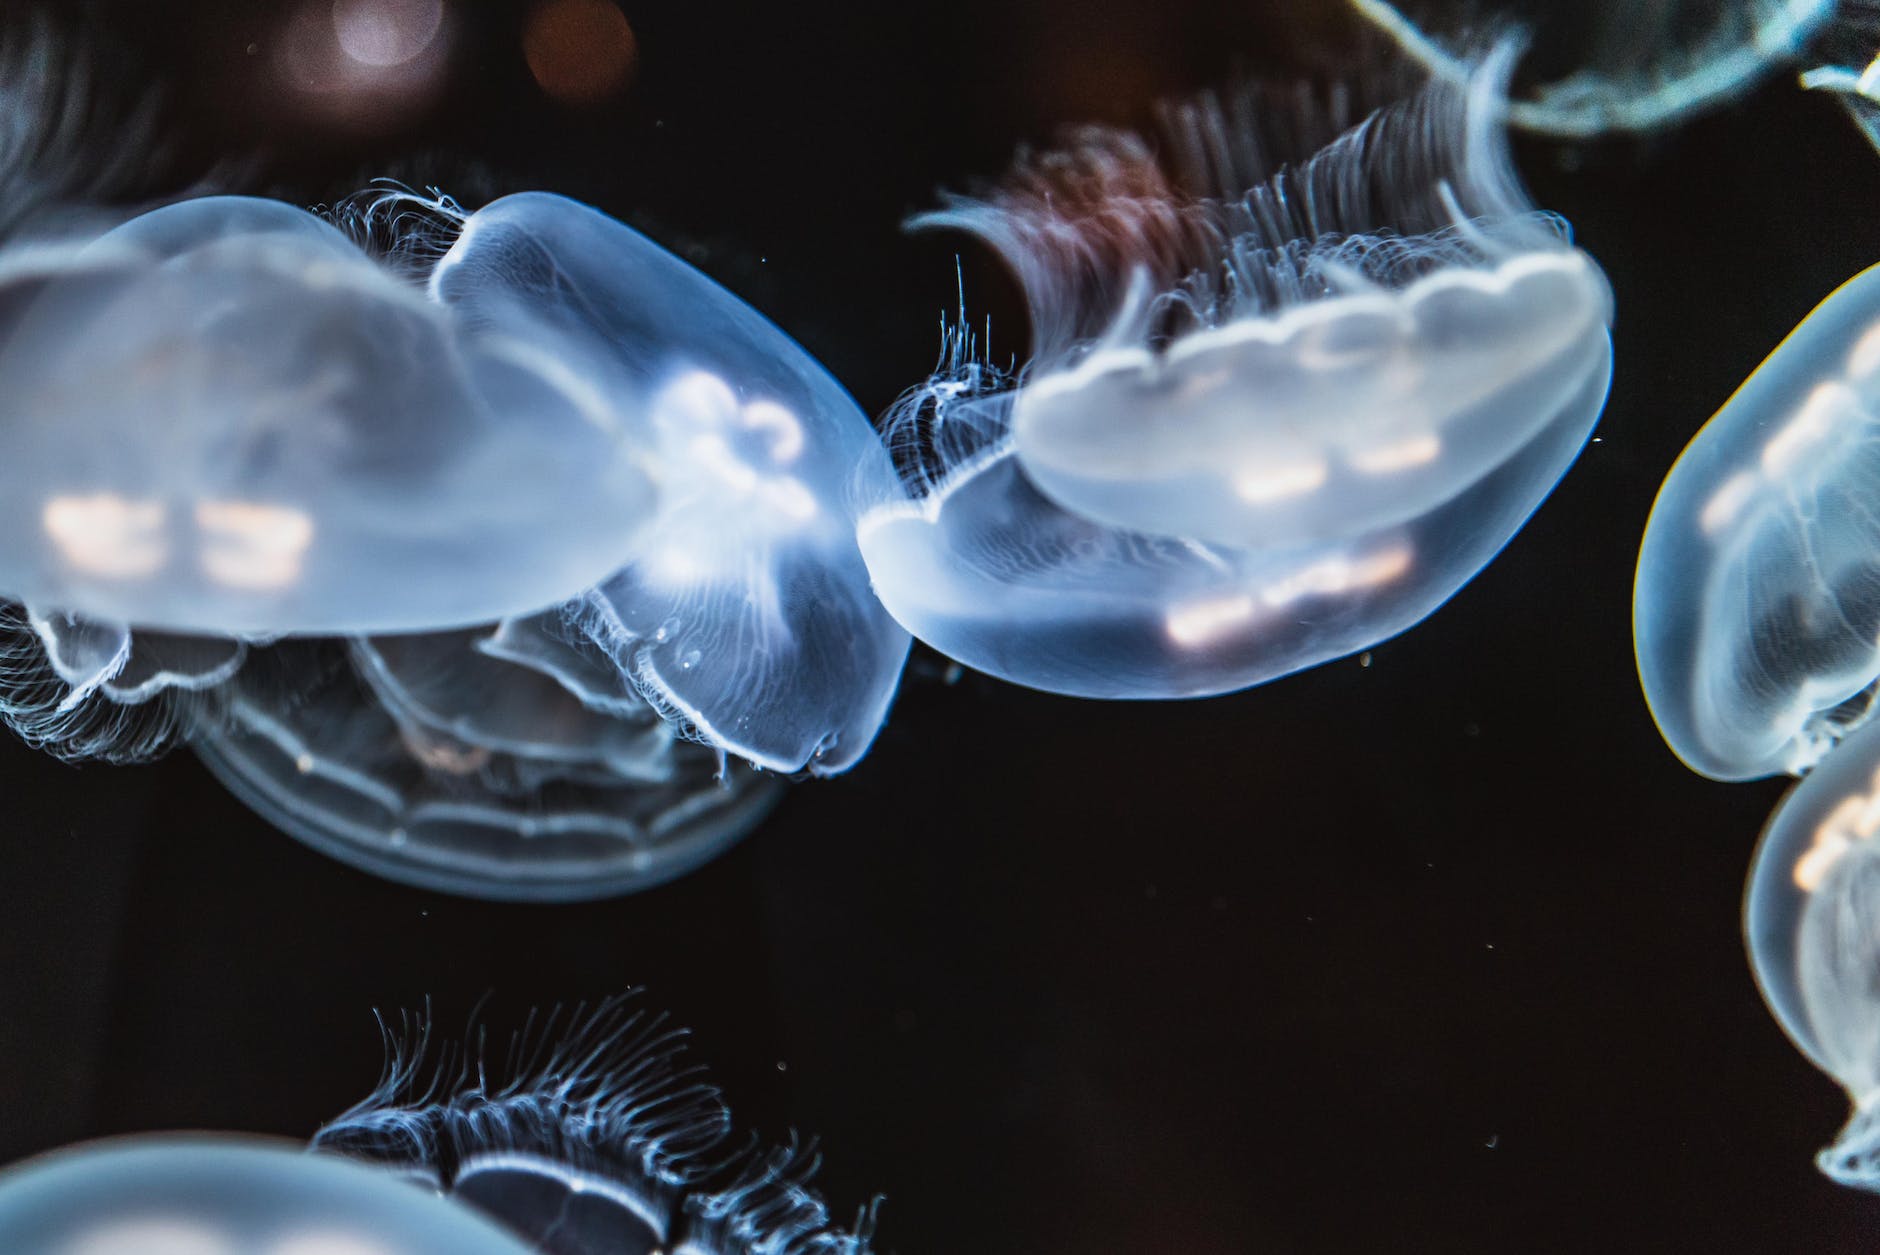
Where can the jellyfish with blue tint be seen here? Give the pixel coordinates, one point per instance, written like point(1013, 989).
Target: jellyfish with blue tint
point(747, 613)
point(204, 1194)
point(440, 760)
point(1637, 65)
point(1811, 918)
point(1756, 610)
point(598, 1137)
point(1265, 425)
point(223, 418)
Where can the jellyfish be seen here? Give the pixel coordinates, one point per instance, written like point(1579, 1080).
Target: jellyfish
point(1756, 608)
point(1264, 425)
point(506, 762)
point(1811, 918)
point(747, 614)
point(596, 1137)
point(223, 418)
point(1637, 65)
point(218, 1194)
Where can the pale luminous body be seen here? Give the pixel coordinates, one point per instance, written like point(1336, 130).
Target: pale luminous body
point(1330, 420)
point(488, 762)
point(220, 1194)
point(224, 418)
point(1647, 63)
point(1756, 612)
point(1345, 425)
point(1812, 921)
point(747, 612)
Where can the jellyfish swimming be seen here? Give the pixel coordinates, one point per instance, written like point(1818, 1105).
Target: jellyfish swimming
point(596, 1137)
point(223, 418)
point(220, 1194)
point(1811, 918)
point(1756, 607)
point(1273, 415)
point(508, 762)
point(1629, 65)
point(747, 612)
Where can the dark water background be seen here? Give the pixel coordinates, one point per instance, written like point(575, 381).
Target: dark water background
point(1440, 954)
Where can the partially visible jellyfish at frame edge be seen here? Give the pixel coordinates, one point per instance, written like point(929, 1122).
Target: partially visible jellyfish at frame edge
point(485, 563)
point(1756, 608)
point(595, 1136)
point(1756, 619)
point(1811, 918)
point(1627, 66)
point(1271, 418)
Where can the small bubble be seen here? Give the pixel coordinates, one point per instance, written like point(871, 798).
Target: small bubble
point(304, 764)
point(690, 660)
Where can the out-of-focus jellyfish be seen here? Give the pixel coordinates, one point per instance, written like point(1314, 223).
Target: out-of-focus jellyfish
point(598, 1137)
point(218, 1194)
point(1848, 57)
point(1629, 65)
point(746, 613)
point(1266, 424)
point(224, 418)
point(1812, 921)
point(508, 762)
point(1757, 604)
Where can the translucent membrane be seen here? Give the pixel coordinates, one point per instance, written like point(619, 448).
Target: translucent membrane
point(203, 1194)
point(1756, 609)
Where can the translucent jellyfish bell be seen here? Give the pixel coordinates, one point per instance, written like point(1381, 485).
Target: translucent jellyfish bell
point(747, 613)
point(204, 1194)
point(1812, 921)
point(1637, 65)
point(1756, 609)
point(224, 418)
point(489, 762)
point(1263, 426)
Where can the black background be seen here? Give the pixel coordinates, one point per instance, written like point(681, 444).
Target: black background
point(1437, 954)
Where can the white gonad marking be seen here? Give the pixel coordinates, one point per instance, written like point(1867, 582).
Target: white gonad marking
point(1812, 422)
point(252, 545)
point(1202, 623)
point(1856, 819)
point(1419, 450)
point(107, 535)
point(1333, 576)
point(786, 433)
point(1725, 503)
point(1267, 485)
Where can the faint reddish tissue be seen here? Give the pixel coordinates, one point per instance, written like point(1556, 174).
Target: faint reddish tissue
point(580, 51)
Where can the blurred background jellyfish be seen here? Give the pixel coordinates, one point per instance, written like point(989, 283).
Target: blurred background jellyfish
point(1613, 65)
point(1811, 918)
point(1756, 609)
point(1274, 414)
point(507, 763)
point(596, 1137)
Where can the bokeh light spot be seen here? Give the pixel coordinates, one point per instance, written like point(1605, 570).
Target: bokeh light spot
point(580, 51)
point(386, 32)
